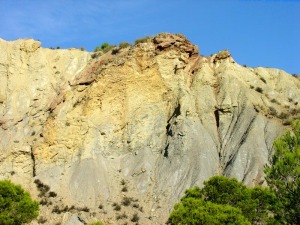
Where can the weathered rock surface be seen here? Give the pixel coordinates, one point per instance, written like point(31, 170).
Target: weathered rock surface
point(156, 118)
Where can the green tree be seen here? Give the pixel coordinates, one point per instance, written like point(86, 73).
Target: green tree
point(283, 175)
point(16, 205)
point(196, 211)
point(254, 204)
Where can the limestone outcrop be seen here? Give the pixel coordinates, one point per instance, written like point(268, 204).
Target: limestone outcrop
point(141, 125)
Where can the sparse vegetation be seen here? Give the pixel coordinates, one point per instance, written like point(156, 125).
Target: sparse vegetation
point(263, 80)
point(115, 51)
point(105, 47)
point(124, 45)
point(283, 115)
point(135, 205)
point(42, 188)
point(135, 218)
point(259, 89)
point(127, 201)
point(142, 40)
point(45, 201)
point(52, 194)
point(274, 101)
point(124, 189)
point(121, 216)
point(42, 220)
point(273, 111)
point(116, 206)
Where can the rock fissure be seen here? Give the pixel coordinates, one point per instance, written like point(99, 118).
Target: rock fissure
point(33, 162)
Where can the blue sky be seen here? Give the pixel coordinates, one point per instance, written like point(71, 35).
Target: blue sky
point(257, 33)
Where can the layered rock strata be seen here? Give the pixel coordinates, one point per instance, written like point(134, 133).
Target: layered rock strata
point(143, 124)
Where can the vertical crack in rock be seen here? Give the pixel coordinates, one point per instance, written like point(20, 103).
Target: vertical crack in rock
point(169, 131)
point(217, 117)
point(33, 162)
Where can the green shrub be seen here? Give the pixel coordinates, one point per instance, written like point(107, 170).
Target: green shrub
point(16, 205)
point(104, 45)
point(273, 111)
point(97, 49)
point(259, 89)
point(249, 204)
point(124, 189)
point(263, 80)
point(116, 206)
point(142, 40)
point(115, 51)
point(124, 45)
point(126, 201)
point(135, 218)
point(197, 211)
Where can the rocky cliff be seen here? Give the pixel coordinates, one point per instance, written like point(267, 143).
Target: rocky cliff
point(134, 127)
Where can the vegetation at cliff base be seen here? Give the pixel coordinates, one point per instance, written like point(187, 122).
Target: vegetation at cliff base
point(225, 200)
point(16, 205)
point(198, 211)
point(283, 175)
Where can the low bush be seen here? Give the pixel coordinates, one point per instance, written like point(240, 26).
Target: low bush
point(142, 40)
point(225, 201)
point(263, 80)
point(135, 218)
point(124, 45)
point(259, 89)
point(42, 220)
point(124, 189)
point(273, 111)
point(116, 206)
point(127, 201)
point(115, 51)
point(121, 216)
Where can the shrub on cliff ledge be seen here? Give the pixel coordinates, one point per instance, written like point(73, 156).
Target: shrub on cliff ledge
point(142, 40)
point(16, 205)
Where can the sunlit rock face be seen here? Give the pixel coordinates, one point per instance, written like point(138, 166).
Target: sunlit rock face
point(147, 122)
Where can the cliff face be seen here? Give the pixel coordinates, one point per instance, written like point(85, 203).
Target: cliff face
point(156, 118)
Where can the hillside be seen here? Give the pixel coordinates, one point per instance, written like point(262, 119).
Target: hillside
point(140, 125)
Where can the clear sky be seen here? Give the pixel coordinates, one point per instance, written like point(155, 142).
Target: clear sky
point(257, 33)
